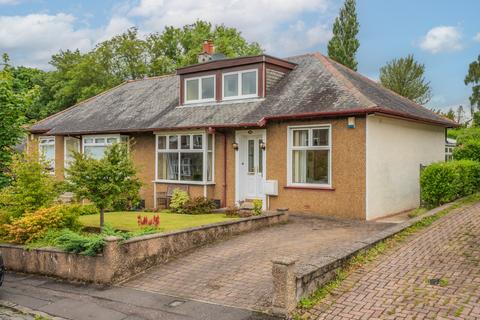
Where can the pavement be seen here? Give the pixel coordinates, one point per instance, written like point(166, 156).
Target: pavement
point(435, 274)
point(81, 302)
point(238, 272)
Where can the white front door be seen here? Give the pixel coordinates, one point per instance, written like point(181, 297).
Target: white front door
point(251, 165)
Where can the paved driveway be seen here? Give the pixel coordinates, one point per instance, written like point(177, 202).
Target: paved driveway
point(237, 272)
point(398, 285)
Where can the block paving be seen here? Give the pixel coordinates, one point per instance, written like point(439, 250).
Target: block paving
point(397, 285)
point(238, 272)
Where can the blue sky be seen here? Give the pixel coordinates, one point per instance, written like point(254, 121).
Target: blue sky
point(442, 34)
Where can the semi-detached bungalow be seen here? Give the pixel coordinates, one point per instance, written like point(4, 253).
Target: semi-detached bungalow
point(303, 133)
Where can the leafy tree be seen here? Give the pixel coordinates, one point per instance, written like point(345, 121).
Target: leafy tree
point(105, 180)
point(476, 119)
point(405, 76)
point(459, 115)
point(31, 188)
point(473, 78)
point(344, 44)
point(12, 117)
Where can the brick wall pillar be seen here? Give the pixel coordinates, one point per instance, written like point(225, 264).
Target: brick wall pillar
point(284, 286)
point(111, 260)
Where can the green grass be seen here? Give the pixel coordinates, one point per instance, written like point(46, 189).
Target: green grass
point(168, 221)
point(416, 212)
point(371, 254)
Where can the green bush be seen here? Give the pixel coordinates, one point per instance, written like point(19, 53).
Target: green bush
point(32, 187)
point(88, 209)
point(179, 198)
point(469, 150)
point(257, 207)
point(447, 181)
point(462, 135)
point(198, 205)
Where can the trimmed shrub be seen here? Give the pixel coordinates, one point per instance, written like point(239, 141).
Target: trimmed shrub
point(447, 181)
point(257, 207)
point(35, 225)
point(198, 205)
point(469, 150)
point(179, 198)
point(88, 209)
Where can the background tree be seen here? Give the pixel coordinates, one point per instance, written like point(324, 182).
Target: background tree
point(105, 180)
point(473, 78)
point(344, 44)
point(405, 76)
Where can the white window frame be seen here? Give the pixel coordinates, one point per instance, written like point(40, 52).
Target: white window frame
point(204, 151)
point(310, 146)
point(104, 144)
point(48, 143)
point(65, 149)
point(199, 100)
point(239, 83)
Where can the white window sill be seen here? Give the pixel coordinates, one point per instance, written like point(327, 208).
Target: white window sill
point(198, 183)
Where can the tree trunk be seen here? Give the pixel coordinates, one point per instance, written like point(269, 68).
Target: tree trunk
point(101, 219)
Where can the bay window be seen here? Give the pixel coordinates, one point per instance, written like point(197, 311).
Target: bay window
point(200, 89)
point(95, 146)
point(72, 145)
point(185, 157)
point(241, 84)
point(46, 147)
point(309, 156)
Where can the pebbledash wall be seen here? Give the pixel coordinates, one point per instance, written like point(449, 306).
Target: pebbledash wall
point(375, 167)
point(395, 149)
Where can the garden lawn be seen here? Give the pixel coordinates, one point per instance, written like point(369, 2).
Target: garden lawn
point(126, 220)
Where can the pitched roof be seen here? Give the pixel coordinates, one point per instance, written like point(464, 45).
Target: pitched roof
point(318, 86)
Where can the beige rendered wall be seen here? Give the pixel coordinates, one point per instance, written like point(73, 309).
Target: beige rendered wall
point(395, 150)
point(347, 200)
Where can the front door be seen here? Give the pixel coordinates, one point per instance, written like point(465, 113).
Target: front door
point(251, 166)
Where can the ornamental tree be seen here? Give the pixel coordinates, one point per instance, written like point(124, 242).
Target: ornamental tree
point(102, 181)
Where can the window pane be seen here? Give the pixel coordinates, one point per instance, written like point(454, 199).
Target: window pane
point(317, 166)
point(300, 138)
point(197, 141)
point(173, 142)
point(124, 139)
point(210, 142)
point(162, 142)
point(185, 142)
point(208, 88)
point(88, 140)
point(72, 145)
point(191, 166)
point(320, 137)
point(111, 140)
point(99, 140)
point(48, 152)
point(95, 152)
point(209, 166)
point(167, 166)
point(251, 156)
point(249, 83)
point(299, 170)
point(192, 90)
point(260, 156)
point(230, 85)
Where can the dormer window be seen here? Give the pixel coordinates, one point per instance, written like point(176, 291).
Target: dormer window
point(200, 89)
point(240, 84)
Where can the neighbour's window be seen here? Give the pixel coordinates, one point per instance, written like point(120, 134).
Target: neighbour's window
point(242, 84)
point(71, 145)
point(182, 157)
point(309, 151)
point(95, 146)
point(200, 89)
point(448, 153)
point(47, 151)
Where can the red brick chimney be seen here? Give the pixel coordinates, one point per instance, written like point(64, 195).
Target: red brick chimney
point(208, 47)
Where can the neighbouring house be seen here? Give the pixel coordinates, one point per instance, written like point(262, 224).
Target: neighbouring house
point(303, 133)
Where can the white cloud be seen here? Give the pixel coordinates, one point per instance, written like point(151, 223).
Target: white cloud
point(442, 39)
point(32, 39)
point(477, 37)
point(9, 2)
point(258, 20)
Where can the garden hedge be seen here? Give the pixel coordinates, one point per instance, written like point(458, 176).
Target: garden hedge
point(447, 181)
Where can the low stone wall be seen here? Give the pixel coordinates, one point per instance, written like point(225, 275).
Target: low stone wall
point(293, 281)
point(122, 259)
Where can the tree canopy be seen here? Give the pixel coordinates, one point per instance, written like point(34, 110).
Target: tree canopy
point(344, 44)
point(473, 78)
point(405, 76)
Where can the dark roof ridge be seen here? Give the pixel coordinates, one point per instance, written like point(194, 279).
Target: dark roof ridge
point(348, 84)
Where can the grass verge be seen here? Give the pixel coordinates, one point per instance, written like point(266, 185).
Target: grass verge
point(371, 254)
